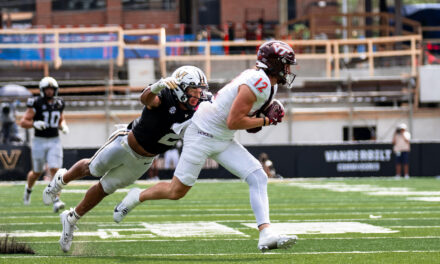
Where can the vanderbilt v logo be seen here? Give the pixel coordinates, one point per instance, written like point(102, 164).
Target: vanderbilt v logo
point(180, 75)
point(10, 161)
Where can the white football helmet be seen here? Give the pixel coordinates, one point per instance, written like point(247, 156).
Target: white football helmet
point(189, 77)
point(48, 82)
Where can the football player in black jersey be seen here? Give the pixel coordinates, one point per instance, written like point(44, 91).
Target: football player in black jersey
point(129, 152)
point(45, 115)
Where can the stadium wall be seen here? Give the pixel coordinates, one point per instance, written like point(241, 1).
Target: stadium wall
point(293, 161)
point(304, 126)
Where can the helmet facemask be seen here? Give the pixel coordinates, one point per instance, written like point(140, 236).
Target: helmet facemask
point(286, 76)
point(185, 96)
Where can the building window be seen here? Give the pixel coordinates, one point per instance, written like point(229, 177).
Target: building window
point(361, 133)
point(149, 4)
point(78, 5)
point(17, 6)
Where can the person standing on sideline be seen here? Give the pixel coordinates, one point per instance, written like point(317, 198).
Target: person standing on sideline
point(45, 114)
point(238, 105)
point(401, 148)
point(171, 157)
point(129, 152)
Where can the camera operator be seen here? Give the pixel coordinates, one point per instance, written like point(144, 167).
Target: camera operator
point(9, 130)
point(401, 148)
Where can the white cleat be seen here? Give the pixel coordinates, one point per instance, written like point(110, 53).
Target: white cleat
point(128, 203)
point(268, 241)
point(68, 228)
point(26, 196)
point(51, 191)
point(58, 205)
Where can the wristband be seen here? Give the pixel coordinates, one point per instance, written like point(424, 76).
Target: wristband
point(264, 121)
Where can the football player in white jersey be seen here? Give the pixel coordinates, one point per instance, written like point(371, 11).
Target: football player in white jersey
point(45, 115)
point(238, 105)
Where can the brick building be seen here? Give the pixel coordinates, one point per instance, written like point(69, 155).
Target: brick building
point(151, 13)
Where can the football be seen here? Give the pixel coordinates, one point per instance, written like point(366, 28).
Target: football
point(274, 111)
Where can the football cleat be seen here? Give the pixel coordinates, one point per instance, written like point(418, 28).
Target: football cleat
point(68, 228)
point(27, 196)
point(58, 205)
point(51, 191)
point(128, 203)
point(268, 241)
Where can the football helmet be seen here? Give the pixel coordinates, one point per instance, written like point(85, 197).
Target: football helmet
point(48, 82)
point(189, 77)
point(275, 58)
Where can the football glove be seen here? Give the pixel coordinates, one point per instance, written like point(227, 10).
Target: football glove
point(275, 112)
point(39, 125)
point(169, 82)
point(64, 128)
point(254, 130)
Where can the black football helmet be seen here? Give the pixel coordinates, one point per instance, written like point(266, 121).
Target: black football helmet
point(275, 58)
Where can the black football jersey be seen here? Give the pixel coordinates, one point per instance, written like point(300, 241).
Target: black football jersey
point(50, 113)
point(152, 129)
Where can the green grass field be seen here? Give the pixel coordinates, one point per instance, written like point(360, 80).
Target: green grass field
point(358, 220)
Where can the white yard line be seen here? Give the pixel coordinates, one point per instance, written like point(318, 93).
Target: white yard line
point(231, 254)
point(147, 215)
point(225, 239)
point(241, 220)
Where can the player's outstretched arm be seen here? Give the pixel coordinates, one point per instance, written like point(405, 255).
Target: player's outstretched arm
point(149, 99)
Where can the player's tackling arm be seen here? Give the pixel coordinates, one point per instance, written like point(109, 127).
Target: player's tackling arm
point(149, 99)
point(27, 120)
point(238, 116)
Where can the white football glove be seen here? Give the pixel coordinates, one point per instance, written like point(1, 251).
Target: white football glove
point(64, 128)
point(39, 125)
point(169, 82)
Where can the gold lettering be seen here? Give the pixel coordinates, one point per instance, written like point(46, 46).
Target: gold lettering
point(10, 161)
point(180, 75)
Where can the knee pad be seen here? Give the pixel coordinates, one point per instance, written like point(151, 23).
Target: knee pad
point(257, 178)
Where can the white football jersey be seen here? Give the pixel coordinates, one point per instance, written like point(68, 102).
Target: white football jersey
point(211, 117)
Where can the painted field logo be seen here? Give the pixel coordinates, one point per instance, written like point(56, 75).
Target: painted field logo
point(9, 162)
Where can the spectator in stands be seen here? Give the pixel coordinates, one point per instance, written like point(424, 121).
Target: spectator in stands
point(401, 148)
point(45, 114)
point(268, 166)
point(153, 172)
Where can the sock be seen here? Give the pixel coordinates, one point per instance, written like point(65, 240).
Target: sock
point(132, 202)
point(73, 217)
point(27, 189)
point(257, 182)
point(60, 181)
